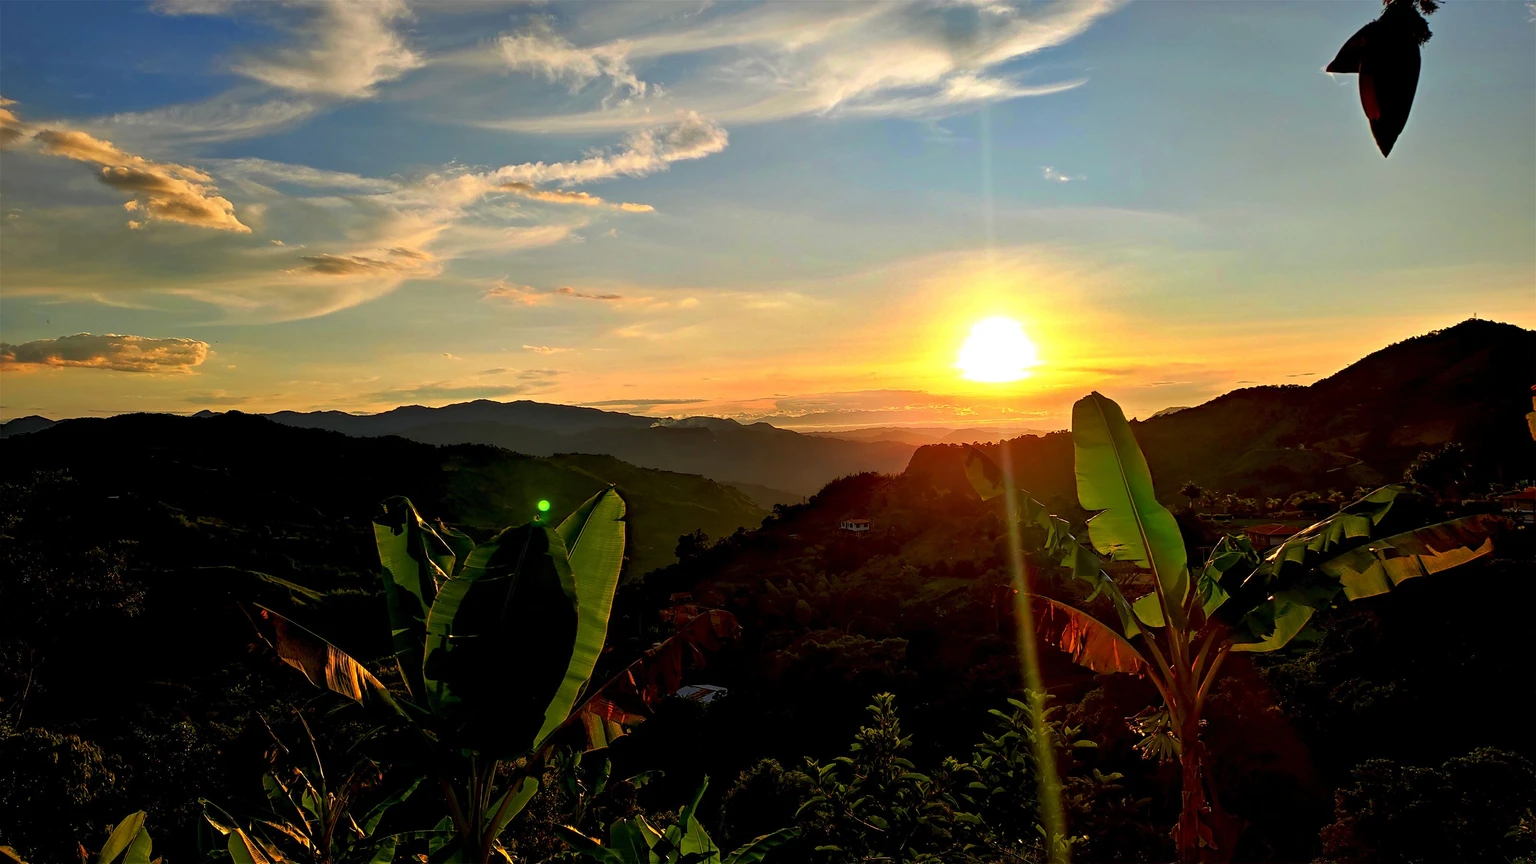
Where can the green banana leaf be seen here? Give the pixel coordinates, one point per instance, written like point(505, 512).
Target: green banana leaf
point(522, 793)
point(1231, 555)
point(1381, 565)
point(1049, 537)
point(129, 842)
point(499, 639)
point(758, 848)
point(594, 542)
point(1274, 623)
point(1113, 477)
point(415, 561)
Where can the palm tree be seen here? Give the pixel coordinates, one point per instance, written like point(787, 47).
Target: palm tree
point(1192, 492)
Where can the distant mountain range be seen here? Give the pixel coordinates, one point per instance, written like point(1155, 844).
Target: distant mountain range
point(239, 475)
point(1469, 383)
point(1362, 426)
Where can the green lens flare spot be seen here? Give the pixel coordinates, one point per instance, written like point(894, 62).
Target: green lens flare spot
point(543, 506)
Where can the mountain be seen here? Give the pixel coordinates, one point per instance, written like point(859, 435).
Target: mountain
point(1362, 426)
point(24, 425)
point(236, 475)
point(718, 448)
point(539, 416)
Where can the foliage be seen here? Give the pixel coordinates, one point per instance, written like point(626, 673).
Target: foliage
point(1470, 809)
point(1191, 621)
point(875, 805)
point(635, 841)
point(309, 816)
point(54, 788)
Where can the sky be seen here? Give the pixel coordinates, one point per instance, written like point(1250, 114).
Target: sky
point(783, 211)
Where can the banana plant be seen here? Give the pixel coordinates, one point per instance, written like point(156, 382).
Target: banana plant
point(495, 644)
point(635, 841)
point(1178, 634)
point(311, 816)
point(129, 843)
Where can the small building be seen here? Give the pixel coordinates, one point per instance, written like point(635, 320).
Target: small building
point(700, 693)
point(854, 525)
point(1520, 506)
point(1269, 536)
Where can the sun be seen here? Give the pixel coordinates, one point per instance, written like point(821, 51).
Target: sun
point(997, 351)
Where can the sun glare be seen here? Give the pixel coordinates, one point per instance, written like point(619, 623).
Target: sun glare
point(997, 351)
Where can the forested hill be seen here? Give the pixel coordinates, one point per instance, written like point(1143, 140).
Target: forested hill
point(1469, 384)
point(239, 475)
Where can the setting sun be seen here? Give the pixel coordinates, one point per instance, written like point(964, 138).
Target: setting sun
point(997, 351)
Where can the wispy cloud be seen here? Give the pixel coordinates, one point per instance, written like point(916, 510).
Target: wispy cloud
point(544, 349)
point(562, 196)
point(107, 351)
point(767, 62)
point(346, 48)
point(539, 49)
point(644, 152)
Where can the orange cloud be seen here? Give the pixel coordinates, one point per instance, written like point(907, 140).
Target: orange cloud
point(562, 196)
point(108, 351)
point(161, 190)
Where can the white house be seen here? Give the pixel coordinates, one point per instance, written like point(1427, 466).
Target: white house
point(855, 525)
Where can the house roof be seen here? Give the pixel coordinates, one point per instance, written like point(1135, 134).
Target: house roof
point(1526, 494)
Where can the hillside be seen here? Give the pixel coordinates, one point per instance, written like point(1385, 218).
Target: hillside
point(239, 475)
point(720, 449)
point(1359, 427)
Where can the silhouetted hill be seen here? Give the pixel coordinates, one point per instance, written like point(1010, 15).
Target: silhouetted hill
point(1361, 426)
point(248, 475)
point(718, 448)
point(24, 425)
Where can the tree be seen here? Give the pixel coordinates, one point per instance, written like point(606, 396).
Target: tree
point(1192, 492)
point(495, 644)
point(1441, 471)
point(1193, 619)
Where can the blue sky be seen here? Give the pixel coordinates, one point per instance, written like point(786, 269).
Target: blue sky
point(784, 210)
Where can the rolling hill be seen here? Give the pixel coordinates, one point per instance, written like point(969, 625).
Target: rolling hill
point(242, 476)
point(720, 449)
point(1362, 426)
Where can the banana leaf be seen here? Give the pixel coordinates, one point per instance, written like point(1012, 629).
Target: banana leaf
point(1381, 565)
point(499, 639)
point(1113, 477)
point(1049, 537)
point(758, 848)
point(129, 842)
point(8, 855)
point(631, 695)
point(325, 665)
point(522, 793)
point(1293, 566)
point(594, 542)
point(1089, 641)
point(1274, 623)
point(415, 561)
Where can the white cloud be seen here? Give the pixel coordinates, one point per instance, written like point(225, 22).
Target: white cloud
point(348, 47)
point(108, 351)
point(226, 117)
point(540, 49)
point(766, 62)
point(1055, 176)
point(645, 152)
